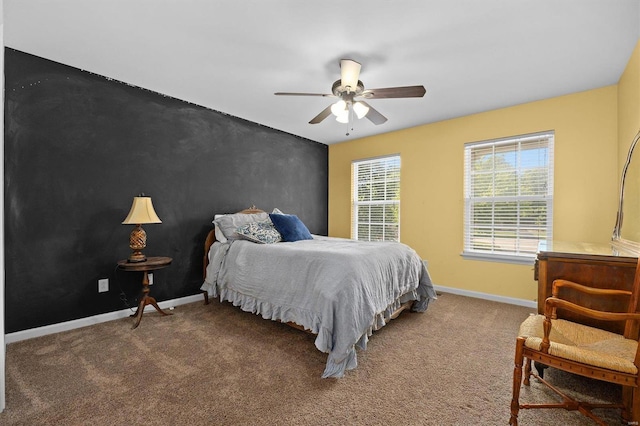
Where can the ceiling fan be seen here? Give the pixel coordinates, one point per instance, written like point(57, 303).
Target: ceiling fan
point(348, 89)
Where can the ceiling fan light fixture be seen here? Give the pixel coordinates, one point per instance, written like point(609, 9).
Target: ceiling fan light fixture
point(350, 72)
point(339, 108)
point(343, 117)
point(360, 109)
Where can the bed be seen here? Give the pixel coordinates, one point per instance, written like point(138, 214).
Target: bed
point(339, 289)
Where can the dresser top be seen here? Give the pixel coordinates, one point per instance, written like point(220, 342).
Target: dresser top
point(584, 250)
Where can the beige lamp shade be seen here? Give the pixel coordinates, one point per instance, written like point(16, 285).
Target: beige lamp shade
point(141, 212)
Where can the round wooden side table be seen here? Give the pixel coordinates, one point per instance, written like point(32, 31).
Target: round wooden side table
point(151, 264)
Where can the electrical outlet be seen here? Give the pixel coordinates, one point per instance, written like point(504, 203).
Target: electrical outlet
point(150, 278)
point(103, 285)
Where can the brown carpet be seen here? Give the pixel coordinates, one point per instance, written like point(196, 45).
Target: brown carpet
point(217, 365)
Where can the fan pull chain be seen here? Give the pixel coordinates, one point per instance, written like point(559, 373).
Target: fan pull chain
point(350, 120)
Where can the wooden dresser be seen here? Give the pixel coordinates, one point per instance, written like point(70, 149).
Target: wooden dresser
point(596, 265)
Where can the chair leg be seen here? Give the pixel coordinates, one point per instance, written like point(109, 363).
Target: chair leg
point(517, 380)
point(631, 400)
point(627, 401)
point(527, 371)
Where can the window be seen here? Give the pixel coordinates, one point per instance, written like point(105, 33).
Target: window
point(376, 199)
point(508, 193)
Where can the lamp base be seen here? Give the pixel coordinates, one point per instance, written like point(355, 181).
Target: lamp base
point(136, 256)
point(137, 242)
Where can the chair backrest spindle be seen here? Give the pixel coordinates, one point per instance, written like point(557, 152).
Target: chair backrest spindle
point(631, 328)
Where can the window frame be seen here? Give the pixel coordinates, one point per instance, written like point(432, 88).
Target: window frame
point(519, 255)
point(355, 204)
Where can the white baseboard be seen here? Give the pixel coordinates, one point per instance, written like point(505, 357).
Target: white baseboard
point(510, 300)
point(96, 319)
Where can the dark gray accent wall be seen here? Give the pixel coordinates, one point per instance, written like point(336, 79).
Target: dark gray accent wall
point(79, 147)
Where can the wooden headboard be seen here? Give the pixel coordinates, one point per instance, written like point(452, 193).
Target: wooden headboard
point(211, 238)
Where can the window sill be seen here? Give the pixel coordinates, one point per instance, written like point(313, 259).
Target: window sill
point(501, 258)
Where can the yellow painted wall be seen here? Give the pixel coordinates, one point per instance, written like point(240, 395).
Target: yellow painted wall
point(628, 105)
point(586, 179)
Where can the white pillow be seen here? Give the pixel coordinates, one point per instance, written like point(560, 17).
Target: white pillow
point(219, 235)
point(230, 222)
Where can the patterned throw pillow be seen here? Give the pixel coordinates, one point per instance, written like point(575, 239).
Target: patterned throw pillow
point(259, 232)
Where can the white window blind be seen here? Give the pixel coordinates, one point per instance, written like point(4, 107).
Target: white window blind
point(508, 194)
point(376, 199)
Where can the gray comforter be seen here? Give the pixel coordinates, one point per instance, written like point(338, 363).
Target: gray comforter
point(340, 289)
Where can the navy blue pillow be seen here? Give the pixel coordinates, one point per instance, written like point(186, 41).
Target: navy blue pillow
point(290, 227)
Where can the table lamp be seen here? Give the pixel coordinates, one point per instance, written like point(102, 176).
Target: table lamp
point(141, 212)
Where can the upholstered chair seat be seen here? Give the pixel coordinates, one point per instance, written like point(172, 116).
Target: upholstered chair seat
point(581, 343)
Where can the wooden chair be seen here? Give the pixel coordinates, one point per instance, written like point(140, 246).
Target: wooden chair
point(583, 350)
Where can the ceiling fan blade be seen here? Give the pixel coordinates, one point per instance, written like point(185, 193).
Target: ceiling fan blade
point(373, 115)
point(349, 73)
point(324, 114)
point(302, 94)
point(395, 92)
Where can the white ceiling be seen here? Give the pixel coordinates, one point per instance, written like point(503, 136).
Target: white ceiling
point(232, 56)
